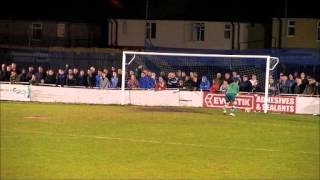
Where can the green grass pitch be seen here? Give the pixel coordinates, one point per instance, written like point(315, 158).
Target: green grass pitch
point(63, 141)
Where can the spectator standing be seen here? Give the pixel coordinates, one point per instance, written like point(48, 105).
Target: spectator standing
point(295, 75)
point(205, 84)
point(172, 80)
point(254, 83)
point(75, 72)
point(71, 80)
point(114, 80)
point(22, 77)
point(2, 72)
point(104, 81)
point(224, 86)
point(284, 85)
point(291, 83)
point(273, 87)
point(236, 76)
point(40, 75)
point(187, 84)
point(13, 77)
point(50, 78)
point(311, 88)
point(304, 80)
point(297, 88)
point(219, 79)
point(144, 81)
point(133, 82)
point(7, 73)
point(91, 80)
point(33, 80)
point(195, 83)
point(97, 78)
point(61, 78)
point(214, 87)
point(30, 73)
point(119, 77)
point(228, 78)
point(161, 84)
point(81, 79)
point(245, 85)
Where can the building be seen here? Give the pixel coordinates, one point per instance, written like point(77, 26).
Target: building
point(295, 33)
point(50, 33)
point(188, 34)
point(185, 34)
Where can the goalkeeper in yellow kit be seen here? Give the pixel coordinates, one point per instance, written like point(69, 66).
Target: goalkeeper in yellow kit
point(231, 93)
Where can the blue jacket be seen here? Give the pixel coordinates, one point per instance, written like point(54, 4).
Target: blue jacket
point(114, 82)
point(98, 77)
point(205, 84)
point(146, 82)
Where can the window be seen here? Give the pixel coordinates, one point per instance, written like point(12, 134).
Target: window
point(151, 30)
point(318, 31)
point(36, 31)
point(198, 31)
point(291, 28)
point(124, 27)
point(227, 31)
point(61, 29)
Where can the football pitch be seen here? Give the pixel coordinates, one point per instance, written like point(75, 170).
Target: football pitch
point(69, 141)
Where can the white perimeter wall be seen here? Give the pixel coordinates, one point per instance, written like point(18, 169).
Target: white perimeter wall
point(304, 105)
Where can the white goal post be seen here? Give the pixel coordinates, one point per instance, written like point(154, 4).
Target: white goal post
point(266, 58)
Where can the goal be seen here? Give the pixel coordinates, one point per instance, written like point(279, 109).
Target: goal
point(262, 66)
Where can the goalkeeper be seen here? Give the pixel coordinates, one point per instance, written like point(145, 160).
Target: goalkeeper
point(231, 93)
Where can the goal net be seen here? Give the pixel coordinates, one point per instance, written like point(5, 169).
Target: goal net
point(184, 66)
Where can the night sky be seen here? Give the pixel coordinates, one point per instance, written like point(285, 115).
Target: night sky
point(100, 10)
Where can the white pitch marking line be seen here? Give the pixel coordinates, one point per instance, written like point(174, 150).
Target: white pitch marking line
point(166, 143)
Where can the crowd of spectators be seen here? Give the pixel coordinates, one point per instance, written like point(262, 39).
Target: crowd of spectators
point(296, 83)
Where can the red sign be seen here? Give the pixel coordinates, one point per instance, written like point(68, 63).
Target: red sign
point(217, 100)
point(282, 104)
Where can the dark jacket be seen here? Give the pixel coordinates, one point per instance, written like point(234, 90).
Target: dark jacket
point(50, 79)
point(297, 89)
point(82, 80)
point(284, 87)
point(40, 76)
point(2, 75)
point(71, 82)
point(22, 77)
point(245, 86)
point(61, 79)
point(310, 89)
point(91, 81)
point(29, 76)
point(187, 85)
point(172, 82)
